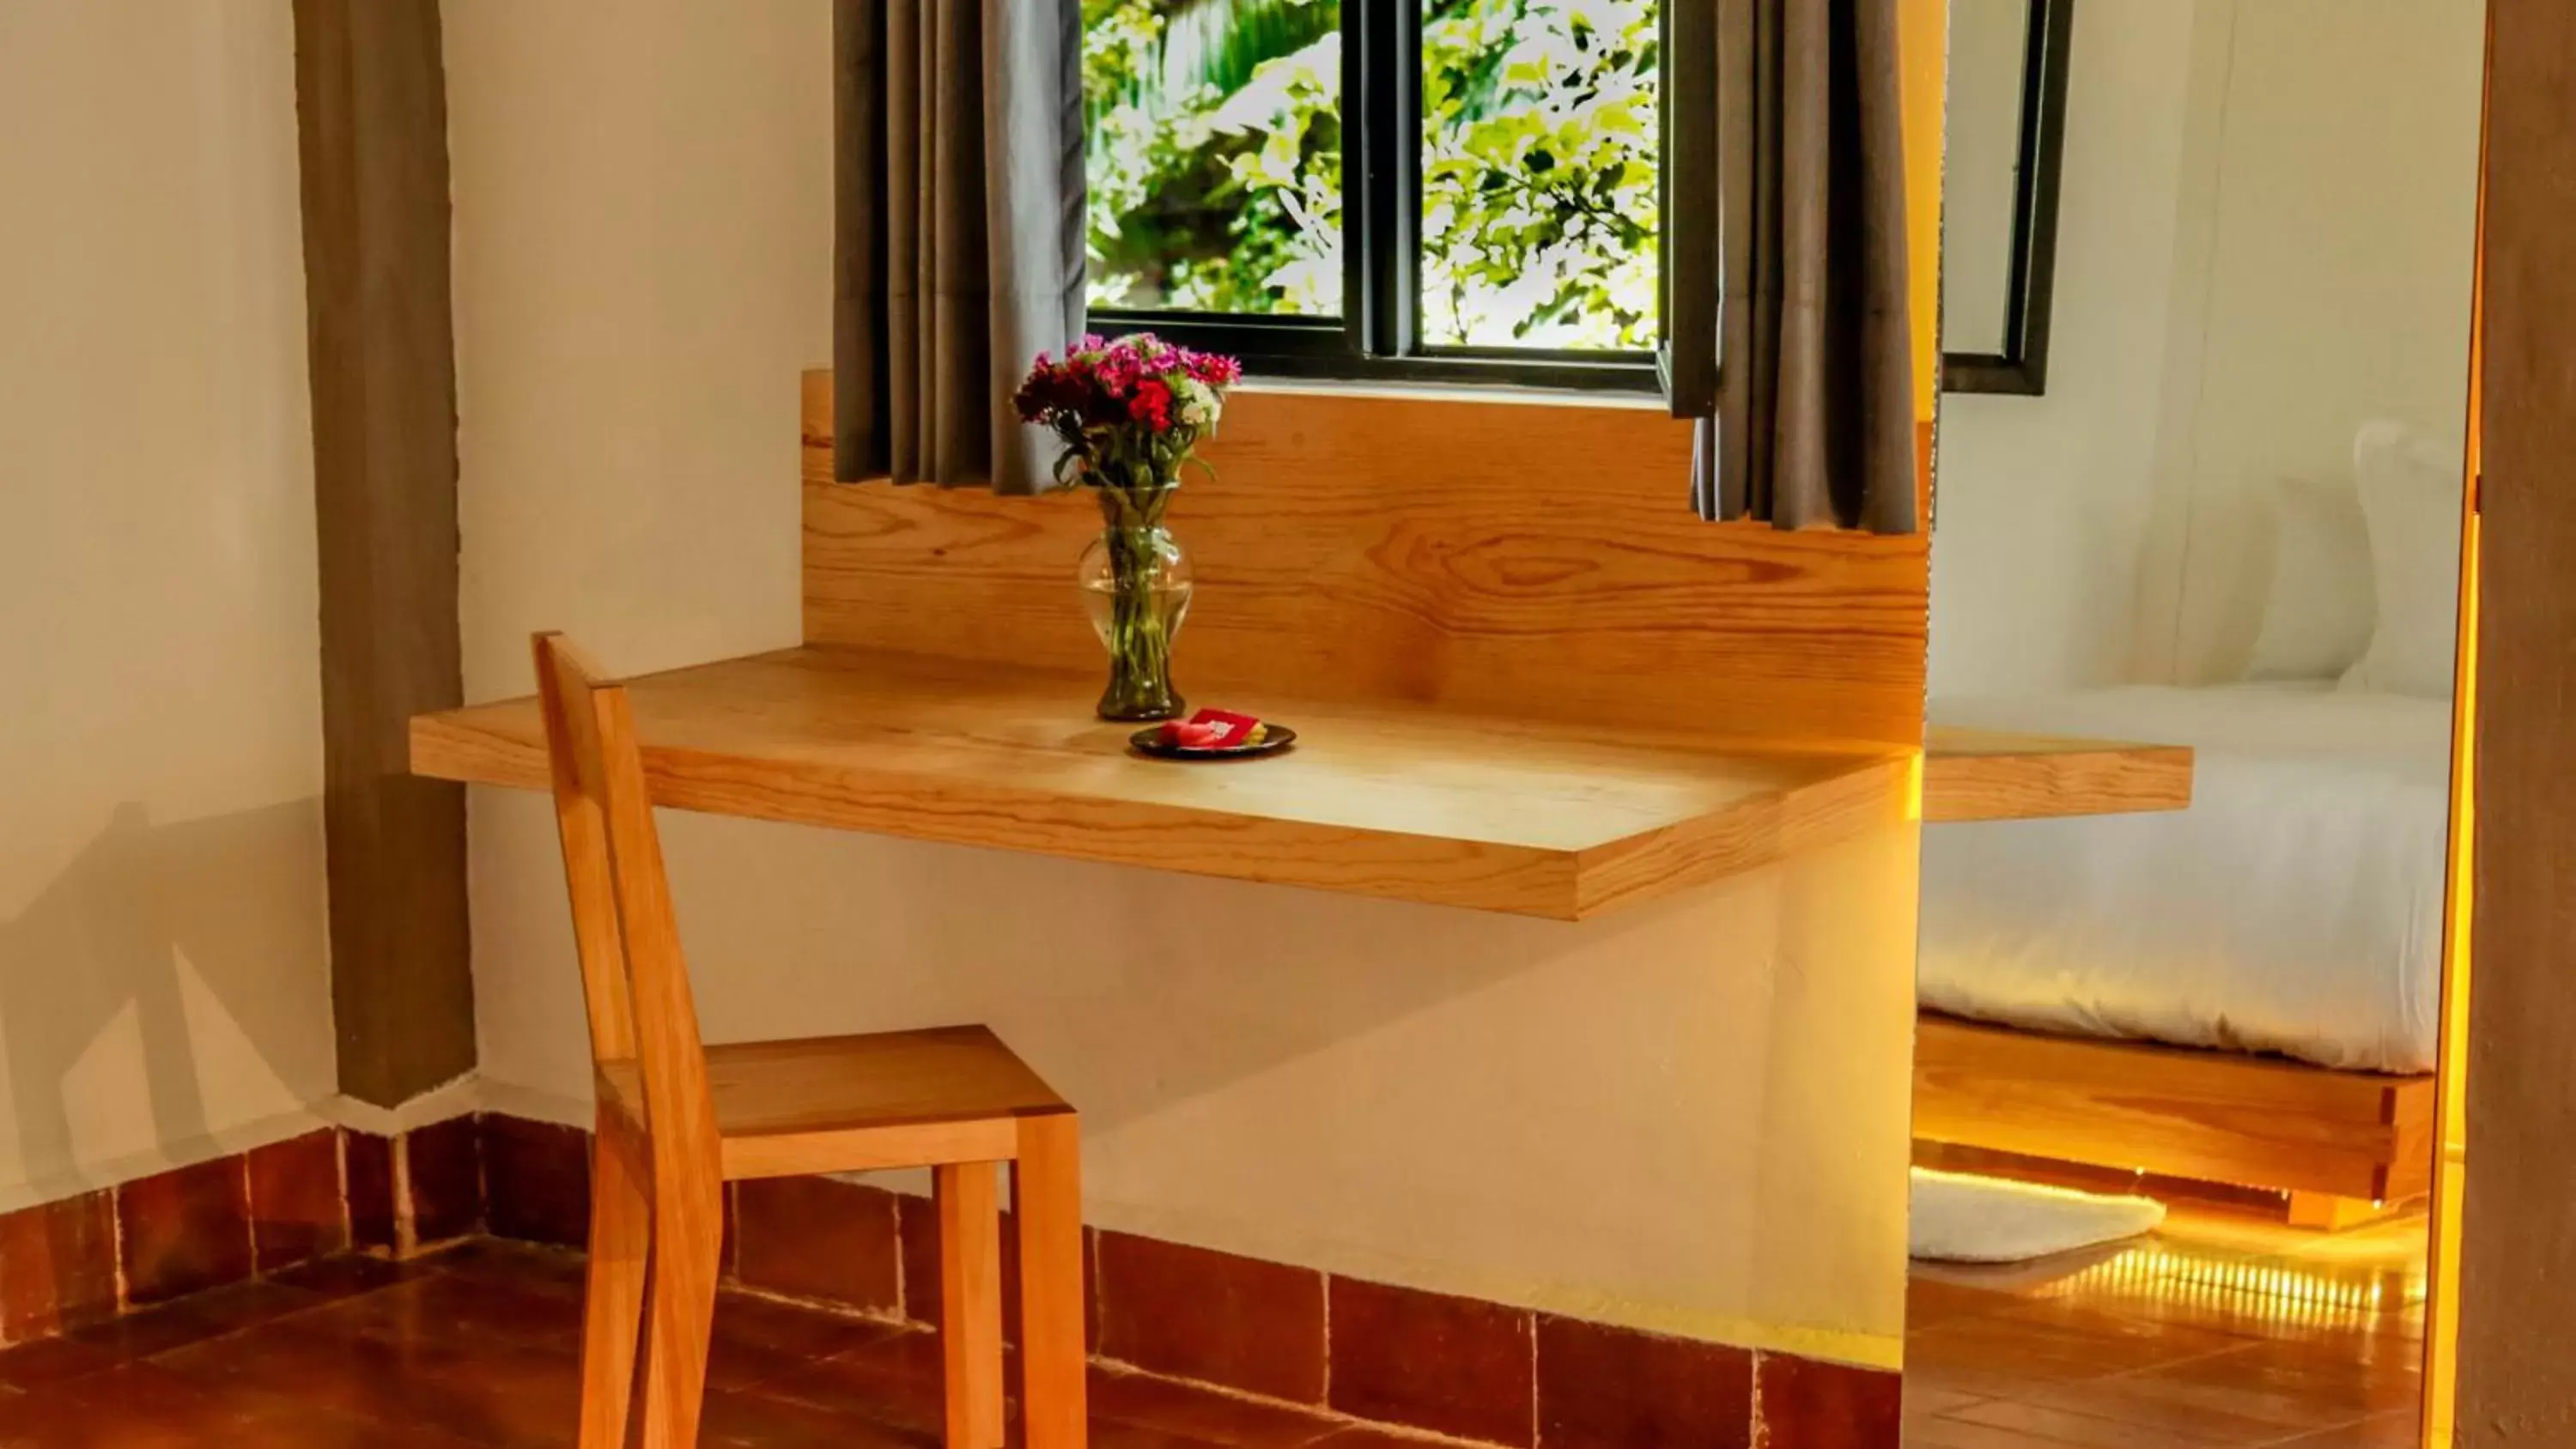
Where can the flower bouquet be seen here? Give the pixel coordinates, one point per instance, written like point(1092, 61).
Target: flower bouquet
point(1130, 414)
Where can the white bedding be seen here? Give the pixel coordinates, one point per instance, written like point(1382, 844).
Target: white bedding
point(2295, 907)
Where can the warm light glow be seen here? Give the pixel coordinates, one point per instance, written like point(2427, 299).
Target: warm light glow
point(2168, 1273)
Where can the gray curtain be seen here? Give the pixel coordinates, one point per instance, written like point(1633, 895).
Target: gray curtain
point(1788, 262)
point(958, 131)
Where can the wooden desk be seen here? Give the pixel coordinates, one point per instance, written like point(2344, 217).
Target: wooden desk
point(1533, 818)
point(1487, 668)
point(1989, 775)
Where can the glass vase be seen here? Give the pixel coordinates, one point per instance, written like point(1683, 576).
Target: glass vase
point(1136, 588)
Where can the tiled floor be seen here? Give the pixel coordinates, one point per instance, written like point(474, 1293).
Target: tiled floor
point(476, 1347)
point(2217, 1333)
point(2220, 1331)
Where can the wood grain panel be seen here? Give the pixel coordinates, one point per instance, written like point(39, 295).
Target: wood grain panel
point(1496, 557)
point(1498, 814)
point(1988, 775)
point(2216, 1116)
point(2517, 1284)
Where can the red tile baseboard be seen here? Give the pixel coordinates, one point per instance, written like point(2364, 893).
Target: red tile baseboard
point(86, 1259)
point(1416, 1361)
point(1382, 1355)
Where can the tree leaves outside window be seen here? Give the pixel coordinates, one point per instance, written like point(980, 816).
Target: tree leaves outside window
point(1216, 164)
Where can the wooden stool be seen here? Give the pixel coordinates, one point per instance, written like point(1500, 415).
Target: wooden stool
point(678, 1119)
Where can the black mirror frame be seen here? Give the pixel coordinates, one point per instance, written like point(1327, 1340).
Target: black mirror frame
point(2021, 369)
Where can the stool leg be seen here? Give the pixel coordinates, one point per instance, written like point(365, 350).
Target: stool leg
point(688, 1234)
point(970, 1301)
point(1046, 1191)
point(621, 1238)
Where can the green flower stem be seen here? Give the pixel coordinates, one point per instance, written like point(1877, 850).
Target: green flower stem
point(1140, 636)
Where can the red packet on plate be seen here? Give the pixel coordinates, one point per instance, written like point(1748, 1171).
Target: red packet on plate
point(1212, 734)
point(1236, 729)
point(1212, 729)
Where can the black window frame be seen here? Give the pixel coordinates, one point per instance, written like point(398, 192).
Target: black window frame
point(2030, 297)
point(1378, 336)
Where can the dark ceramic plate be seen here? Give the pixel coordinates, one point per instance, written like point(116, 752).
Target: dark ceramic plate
point(1149, 741)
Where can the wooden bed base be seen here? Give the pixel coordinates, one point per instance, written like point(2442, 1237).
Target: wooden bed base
point(2340, 1144)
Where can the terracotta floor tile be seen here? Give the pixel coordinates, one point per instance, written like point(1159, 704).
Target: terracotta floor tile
point(512, 1394)
point(368, 1175)
point(511, 1263)
point(1938, 1433)
point(297, 1212)
point(892, 1383)
point(2387, 1431)
point(1188, 1412)
point(2178, 1410)
point(439, 1306)
point(1928, 1399)
point(475, 1348)
point(2062, 1350)
point(1808, 1404)
point(57, 1266)
point(917, 1221)
point(536, 1180)
point(1611, 1388)
point(753, 1419)
point(818, 1238)
point(346, 1276)
point(1428, 1361)
point(1369, 1436)
point(1212, 1317)
point(153, 1331)
point(185, 1231)
point(139, 1399)
point(443, 1165)
point(2084, 1431)
point(758, 1339)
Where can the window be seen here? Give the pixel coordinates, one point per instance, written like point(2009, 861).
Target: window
point(1430, 189)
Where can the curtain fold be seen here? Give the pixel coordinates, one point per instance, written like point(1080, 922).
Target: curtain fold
point(1788, 269)
point(958, 247)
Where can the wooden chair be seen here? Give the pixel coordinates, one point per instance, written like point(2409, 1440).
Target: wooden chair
point(678, 1119)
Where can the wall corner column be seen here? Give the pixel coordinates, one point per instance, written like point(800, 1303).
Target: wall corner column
point(371, 123)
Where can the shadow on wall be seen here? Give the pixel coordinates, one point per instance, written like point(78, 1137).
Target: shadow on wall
point(156, 993)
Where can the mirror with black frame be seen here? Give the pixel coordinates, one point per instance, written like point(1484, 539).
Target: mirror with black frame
point(2004, 149)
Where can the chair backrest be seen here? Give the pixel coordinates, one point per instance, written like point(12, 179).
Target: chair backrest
point(633, 977)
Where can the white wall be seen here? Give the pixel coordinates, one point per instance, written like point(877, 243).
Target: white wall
point(2043, 501)
point(2339, 211)
point(164, 988)
point(2267, 221)
point(1690, 1117)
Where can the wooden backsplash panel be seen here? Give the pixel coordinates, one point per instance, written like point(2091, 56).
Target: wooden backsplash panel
point(1506, 557)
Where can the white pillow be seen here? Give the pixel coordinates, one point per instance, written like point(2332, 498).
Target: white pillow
point(2318, 610)
point(2410, 499)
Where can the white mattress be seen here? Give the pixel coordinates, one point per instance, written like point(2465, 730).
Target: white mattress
point(2295, 907)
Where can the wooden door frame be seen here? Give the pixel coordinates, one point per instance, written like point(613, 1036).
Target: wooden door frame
point(2503, 1311)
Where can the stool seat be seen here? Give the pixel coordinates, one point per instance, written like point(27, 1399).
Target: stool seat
point(858, 1103)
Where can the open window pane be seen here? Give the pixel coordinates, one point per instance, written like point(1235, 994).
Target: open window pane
point(1215, 155)
point(1539, 205)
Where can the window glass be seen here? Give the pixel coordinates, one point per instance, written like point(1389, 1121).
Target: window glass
point(1215, 154)
point(1539, 173)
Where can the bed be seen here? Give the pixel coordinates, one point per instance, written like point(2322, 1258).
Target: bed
point(2267, 961)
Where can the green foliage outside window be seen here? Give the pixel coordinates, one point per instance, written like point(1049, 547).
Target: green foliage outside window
point(1216, 163)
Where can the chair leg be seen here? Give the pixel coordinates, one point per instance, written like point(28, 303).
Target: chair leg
point(970, 1301)
point(621, 1239)
point(688, 1234)
point(1046, 1193)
